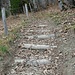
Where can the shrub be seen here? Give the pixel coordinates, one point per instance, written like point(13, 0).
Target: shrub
point(15, 5)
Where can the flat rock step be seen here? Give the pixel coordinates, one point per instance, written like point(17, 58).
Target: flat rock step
point(34, 62)
point(37, 62)
point(38, 30)
point(40, 36)
point(43, 25)
point(38, 47)
point(19, 60)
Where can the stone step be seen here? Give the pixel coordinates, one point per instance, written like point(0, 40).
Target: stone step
point(36, 62)
point(38, 47)
point(41, 36)
point(19, 60)
point(42, 25)
point(38, 30)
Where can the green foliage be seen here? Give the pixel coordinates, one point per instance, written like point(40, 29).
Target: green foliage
point(15, 5)
point(3, 49)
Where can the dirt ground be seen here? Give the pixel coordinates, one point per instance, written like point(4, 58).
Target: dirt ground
point(12, 22)
point(59, 56)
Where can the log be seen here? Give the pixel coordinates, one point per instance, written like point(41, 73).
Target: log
point(40, 36)
point(38, 47)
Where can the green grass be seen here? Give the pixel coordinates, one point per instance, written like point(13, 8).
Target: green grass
point(6, 42)
point(3, 49)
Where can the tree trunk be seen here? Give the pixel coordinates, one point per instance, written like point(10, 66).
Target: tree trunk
point(35, 5)
point(26, 9)
point(4, 21)
point(43, 3)
point(60, 4)
point(69, 3)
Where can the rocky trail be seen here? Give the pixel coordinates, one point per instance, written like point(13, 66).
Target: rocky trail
point(43, 49)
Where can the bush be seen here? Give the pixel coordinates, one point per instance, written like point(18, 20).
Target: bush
point(15, 5)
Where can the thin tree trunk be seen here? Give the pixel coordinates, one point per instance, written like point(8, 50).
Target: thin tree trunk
point(26, 8)
point(9, 7)
point(30, 7)
point(4, 21)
